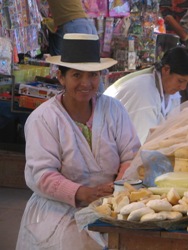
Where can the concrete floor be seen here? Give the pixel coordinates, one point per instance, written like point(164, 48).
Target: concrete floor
point(12, 204)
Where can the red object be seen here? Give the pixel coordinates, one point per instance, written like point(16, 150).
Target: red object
point(160, 21)
point(15, 55)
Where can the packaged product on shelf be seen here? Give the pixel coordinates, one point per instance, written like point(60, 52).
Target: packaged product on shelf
point(33, 12)
point(22, 20)
point(39, 89)
point(5, 87)
point(30, 102)
point(43, 8)
point(5, 56)
point(132, 60)
point(100, 25)
point(95, 8)
point(121, 26)
point(131, 43)
point(23, 15)
point(108, 35)
point(118, 8)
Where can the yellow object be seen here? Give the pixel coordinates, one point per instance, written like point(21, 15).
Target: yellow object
point(181, 165)
point(173, 197)
point(181, 153)
point(165, 190)
point(173, 179)
point(141, 193)
point(104, 209)
point(181, 159)
point(49, 22)
point(27, 73)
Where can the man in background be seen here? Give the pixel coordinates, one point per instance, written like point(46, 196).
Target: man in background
point(69, 17)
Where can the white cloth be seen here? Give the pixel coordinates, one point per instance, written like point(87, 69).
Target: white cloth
point(168, 137)
point(55, 143)
point(184, 21)
point(141, 93)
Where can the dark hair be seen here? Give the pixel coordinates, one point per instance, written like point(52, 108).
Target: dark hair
point(177, 59)
point(63, 70)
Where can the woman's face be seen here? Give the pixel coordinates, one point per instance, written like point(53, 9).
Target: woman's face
point(173, 82)
point(80, 86)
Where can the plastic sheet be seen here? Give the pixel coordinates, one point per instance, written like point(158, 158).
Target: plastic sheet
point(155, 164)
point(171, 135)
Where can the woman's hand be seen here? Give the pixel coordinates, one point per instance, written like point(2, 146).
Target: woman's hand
point(90, 194)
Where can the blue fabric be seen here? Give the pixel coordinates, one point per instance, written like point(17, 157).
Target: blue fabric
point(80, 25)
point(6, 115)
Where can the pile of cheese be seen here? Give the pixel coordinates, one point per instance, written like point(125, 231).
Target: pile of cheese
point(143, 205)
point(181, 159)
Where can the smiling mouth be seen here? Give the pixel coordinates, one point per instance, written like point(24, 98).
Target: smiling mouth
point(84, 91)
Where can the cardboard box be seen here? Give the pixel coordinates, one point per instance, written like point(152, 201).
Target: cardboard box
point(12, 165)
point(39, 89)
point(30, 102)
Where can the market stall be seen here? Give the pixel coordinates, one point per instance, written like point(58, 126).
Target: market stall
point(128, 32)
point(134, 239)
point(155, 214)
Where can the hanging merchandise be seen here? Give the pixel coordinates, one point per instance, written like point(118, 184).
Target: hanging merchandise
point(108, 36)
point(6, 51)
point(95, 8)
point(20, 20)
point(160, 26)
point(43, 7)
point(119, 8)
point(121, 26)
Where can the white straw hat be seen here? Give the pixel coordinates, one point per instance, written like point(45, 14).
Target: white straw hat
point(82, 52)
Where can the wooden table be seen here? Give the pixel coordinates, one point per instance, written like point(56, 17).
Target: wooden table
point(137, 239)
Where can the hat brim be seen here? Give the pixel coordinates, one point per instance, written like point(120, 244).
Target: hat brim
point(93, 66)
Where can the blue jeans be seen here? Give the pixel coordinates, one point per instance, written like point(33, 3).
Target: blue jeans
point(80, 25)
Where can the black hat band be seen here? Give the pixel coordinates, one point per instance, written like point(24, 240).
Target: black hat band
point(78, 51)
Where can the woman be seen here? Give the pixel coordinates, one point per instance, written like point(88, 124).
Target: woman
point(77, 144)
point(149, 95)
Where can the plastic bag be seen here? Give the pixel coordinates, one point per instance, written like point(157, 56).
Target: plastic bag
point(168, 137)
point(155, 164)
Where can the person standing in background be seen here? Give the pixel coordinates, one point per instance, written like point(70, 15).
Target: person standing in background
point(69, 17)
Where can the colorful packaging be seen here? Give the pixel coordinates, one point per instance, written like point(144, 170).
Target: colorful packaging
point(119, 8)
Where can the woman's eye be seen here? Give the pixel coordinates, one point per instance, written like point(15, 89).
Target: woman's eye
point(94, 73)
point(181, 81)
point(76, 75)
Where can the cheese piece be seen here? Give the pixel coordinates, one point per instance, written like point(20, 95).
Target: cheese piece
point(180, 208)
point(139, 194)
point(114, 214)
point(127, 209)
point(151, 197)
point(129, 187)
point(159, 205)
point(184, 198)
point(173, 196)
point(104, 209)
point(172, 215)
point(181, 153)
point(152, 217)
point(181, 165)
point(182, 202)
point(122, 217)
point(117, 206)
point(138, 213)
point(107, 200)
